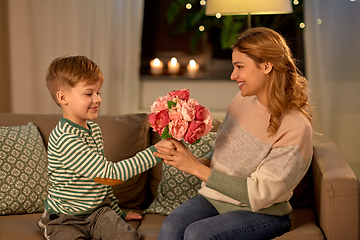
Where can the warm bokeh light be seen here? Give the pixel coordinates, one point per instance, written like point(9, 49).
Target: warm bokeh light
point(192, 63)
point(173, 61)
point(156, 62)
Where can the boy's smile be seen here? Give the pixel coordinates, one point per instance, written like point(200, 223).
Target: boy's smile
point(81, 103)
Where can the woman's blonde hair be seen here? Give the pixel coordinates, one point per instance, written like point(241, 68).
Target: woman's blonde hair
point(287, 88)
point(67, 71)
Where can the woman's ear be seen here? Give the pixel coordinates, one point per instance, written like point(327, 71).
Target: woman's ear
point(267, 66)
point(60, 95)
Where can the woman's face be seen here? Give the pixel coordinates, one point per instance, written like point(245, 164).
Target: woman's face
point(251, 78)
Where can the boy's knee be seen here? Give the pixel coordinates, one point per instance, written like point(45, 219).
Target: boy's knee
point(131, 234)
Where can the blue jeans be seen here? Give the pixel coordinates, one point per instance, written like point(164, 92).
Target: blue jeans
point(198, 219)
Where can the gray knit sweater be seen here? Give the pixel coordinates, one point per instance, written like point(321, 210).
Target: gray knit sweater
point(254, 171)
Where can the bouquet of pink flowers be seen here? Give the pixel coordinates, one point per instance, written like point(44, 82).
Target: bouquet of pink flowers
point(178, 116)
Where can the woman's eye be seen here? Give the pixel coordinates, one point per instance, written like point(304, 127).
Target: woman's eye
point(237, 66)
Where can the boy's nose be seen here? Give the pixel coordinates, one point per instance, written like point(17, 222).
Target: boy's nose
point(97, 98)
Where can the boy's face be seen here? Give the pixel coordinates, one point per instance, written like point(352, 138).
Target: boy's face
point(82, 103)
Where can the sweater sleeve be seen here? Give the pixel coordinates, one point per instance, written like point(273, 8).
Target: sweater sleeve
point(78, 157)
point(234, 187)
point(277, 177)
point(271, 183)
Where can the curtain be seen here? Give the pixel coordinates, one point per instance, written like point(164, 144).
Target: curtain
point(332, 49)
point(106, 31)
point(5, 100)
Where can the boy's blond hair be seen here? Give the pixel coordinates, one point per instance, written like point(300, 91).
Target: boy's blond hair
point(68, 71)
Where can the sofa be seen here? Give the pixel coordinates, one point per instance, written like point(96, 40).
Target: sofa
point(325, 203)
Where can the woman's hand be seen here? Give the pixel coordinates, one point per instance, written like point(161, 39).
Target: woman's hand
point(183, 159)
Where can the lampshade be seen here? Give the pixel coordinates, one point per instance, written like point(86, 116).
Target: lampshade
point(245, 7)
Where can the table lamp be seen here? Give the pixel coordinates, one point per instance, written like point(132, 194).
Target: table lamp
point(247, 7)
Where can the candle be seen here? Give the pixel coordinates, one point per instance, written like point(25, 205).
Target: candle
point(173, 66)
point(192, 68)
point(156, 66)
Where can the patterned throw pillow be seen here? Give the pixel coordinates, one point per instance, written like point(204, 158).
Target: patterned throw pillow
point(23, 164)
point(176, 186)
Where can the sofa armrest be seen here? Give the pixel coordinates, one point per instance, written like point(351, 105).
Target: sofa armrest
point(336, 193)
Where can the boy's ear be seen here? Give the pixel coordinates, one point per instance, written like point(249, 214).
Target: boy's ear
point(60, 95)
point(267, 66)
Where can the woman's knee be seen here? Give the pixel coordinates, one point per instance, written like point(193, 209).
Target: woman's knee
point(169, 224)
point(194, 231)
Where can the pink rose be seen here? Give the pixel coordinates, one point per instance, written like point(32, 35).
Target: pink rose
point(182, 94)
point(159, 105)
point(208, 123)
point(186, 111)
point(152, 120)
point(169, 98)
point(174, 115)
point(195, 131)
point(200, 112)
point(158, 121)
point(177, 129)
point(192, 102)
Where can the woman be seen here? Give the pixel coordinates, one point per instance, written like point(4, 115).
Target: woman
point(261, 152)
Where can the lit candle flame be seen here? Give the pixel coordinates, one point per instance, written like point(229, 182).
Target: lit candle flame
point(192, 63)
point(157, 62)
point(173, 61)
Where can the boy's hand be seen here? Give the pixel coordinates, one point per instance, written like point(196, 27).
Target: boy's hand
point(133, 216)
point(166, 144)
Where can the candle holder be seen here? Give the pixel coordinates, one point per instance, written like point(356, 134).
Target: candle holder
point(156, 66)
point(173, 66)
point(192, 68)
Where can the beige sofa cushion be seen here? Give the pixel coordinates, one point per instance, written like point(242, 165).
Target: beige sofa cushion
point(124, 136)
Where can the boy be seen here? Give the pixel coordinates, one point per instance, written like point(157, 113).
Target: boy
point(81, 203)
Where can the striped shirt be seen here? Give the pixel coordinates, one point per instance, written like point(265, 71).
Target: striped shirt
point(75, 159)
point(254, 171)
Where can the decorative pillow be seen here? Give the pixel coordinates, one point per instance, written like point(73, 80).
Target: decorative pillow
point(176, 186)
point(23, 168)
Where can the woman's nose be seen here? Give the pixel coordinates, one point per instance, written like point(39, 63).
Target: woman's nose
point(233, 76)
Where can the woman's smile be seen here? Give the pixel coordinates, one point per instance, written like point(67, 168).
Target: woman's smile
point(241, 84)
